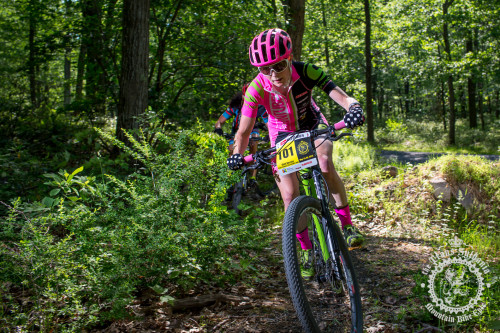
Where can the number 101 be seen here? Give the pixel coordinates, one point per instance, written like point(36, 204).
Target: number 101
point(284, 153)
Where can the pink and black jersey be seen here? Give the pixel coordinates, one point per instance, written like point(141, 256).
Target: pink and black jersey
point(295, 111)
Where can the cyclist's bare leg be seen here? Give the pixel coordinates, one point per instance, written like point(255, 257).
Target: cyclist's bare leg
point(335, 184)
point(333, 180)
point(289, 189)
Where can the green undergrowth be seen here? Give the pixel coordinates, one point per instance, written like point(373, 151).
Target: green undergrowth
point(430, 136)
point(405, 206)
point(78, 256)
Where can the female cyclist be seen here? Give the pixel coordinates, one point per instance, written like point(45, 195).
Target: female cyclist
point(284, 88)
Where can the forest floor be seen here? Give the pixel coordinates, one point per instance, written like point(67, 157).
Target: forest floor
point(386, 267)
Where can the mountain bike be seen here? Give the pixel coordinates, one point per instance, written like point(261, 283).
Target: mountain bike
point(330, 301)
point(242, 187)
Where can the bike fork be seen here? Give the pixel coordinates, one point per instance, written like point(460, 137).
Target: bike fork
point(318, 225)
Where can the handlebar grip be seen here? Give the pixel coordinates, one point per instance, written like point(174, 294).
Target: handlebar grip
point(248, 159)
point(340, 125)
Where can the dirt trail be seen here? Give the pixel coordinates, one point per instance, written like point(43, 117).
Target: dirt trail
point(419, 157)
point(384, 266)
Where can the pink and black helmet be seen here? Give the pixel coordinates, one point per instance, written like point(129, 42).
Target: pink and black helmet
point(270, 46)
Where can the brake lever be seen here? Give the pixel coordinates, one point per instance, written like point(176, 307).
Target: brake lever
point(341, 135)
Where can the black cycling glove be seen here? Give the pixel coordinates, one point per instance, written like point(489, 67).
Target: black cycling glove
point(354, 117)
point(235, 162)
point(219, 131)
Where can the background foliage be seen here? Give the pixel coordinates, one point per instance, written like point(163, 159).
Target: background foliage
point(85, 226)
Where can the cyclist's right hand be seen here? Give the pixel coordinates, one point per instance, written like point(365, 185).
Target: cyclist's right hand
point(219, 131)
point(354, 117)
point(235, 162)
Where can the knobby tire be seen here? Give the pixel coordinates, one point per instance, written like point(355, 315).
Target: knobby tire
point(329, 302)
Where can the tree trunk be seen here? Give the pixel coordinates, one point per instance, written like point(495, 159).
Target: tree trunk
point(296, 16)
point(381, 103)
point(275, 14)
point(67, 59)
point(368, 74)
point(325, 35)
point(480, 102)
point(331, 104)
point(133, 97)
point(443, 106)
point(32, 55)
point(160, 54)
point(451, 92)
point(471, 89)
point(95, 81)
point(80, 72)
point(67, 76)
point(497, 111)
point(407, 98)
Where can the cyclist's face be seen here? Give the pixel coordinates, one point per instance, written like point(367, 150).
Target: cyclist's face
point(281, 79)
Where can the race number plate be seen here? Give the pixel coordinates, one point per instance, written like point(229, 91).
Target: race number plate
point(294, 153)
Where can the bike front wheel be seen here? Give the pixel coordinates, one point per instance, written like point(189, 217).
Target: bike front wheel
point(329, 300)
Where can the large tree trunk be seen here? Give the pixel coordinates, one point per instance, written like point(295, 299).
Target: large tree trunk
point(133, 99)
point(295, 13)
point(368, 74)
point(451, 92)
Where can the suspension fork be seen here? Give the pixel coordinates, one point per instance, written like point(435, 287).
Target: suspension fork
point(313, 186)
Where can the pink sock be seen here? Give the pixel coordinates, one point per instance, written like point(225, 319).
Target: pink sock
point(344, 215)
point(304, 240)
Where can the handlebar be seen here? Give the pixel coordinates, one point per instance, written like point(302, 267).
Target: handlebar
point(265, 155)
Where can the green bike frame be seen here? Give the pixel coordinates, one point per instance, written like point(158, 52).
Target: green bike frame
point(310, 190)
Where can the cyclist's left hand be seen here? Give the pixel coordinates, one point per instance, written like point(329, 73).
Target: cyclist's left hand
point(235, 162)
point(354, 117)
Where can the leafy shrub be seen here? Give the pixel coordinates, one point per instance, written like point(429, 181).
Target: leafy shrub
point(77, 257)
point(394, 131)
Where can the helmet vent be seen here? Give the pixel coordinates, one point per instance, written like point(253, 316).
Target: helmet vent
point(257, 58)
point(282, 48)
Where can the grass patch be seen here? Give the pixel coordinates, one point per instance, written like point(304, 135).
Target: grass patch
point(430, 136)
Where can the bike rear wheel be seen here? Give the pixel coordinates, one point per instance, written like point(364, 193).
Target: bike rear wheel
point(330, 301)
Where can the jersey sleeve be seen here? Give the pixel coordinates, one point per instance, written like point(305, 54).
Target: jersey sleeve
point(315, 76)
point(252, 99)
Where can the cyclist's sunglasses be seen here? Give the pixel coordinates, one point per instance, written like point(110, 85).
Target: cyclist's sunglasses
point(277, 68)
